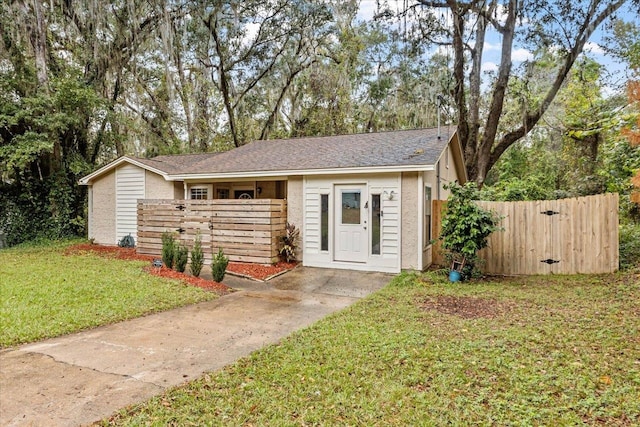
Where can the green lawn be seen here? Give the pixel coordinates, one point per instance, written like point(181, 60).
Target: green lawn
point(527, 351)
point(44, 293)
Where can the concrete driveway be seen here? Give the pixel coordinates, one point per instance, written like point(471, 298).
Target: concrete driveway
point(81, 378)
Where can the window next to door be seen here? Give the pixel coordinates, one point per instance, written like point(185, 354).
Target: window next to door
point(324, 222)
point(427, 215)
point(375, 224)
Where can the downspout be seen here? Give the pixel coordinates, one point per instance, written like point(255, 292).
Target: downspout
point(438, 180)
point(184, 183)
point(420, 221)
point(90, 212)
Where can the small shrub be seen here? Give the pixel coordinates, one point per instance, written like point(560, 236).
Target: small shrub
point(181, 257)
point(197, 256)
point(127, 242)
point(219, 266)
point(629, 246)
point(289, 243)
point(168, 249)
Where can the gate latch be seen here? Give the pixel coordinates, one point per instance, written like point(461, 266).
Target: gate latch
point(180, 230)
point(549, 212)
point(181, 207)
point(550, 261)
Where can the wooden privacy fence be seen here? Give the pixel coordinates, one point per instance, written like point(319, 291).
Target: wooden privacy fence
point(566, 236)
point(247, 230)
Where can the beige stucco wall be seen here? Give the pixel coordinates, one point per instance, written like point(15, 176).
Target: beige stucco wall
point(157, 188)
point(447, 171)
point(409, 217)
point(103, 210)
point(178, 190)
point(295, 209)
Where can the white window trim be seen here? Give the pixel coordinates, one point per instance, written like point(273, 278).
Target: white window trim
point(208, 187)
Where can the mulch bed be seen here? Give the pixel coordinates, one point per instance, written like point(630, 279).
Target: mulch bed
point(254, 271)
point(259, 271)
point(130, 254)
point(209, 285)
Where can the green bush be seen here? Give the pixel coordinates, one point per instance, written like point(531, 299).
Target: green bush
point(168, 249)
point(219, 266)
point(629, 246)
point(197, 256)
point(466, 227)
point(181, 257)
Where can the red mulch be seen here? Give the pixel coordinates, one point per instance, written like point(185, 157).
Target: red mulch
point(108, 252)
point(194, 281)
point(259, 271)
point(117, 252)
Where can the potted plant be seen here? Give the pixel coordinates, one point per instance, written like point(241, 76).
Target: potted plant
point(465, 230)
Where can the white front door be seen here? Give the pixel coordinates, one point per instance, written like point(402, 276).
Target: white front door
point(351, 234)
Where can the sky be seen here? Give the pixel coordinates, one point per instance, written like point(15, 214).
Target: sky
point(618, 73)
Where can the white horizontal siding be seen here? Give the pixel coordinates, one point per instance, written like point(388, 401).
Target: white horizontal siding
point(389, 258)
point(130, 184)
point(390, 226)
point(312, 220)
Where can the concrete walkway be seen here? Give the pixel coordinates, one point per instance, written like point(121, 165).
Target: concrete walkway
point(84, 377)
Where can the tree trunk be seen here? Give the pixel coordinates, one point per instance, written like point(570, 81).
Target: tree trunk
point(39, 43)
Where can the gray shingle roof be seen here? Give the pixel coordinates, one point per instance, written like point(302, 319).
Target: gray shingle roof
point(176, 163)
point(396, 148)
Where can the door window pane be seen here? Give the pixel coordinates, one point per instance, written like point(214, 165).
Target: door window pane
point(351, 207)
point(375, 224)
point(324, 222)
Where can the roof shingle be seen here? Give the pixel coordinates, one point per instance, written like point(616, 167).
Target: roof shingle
point(396, 148)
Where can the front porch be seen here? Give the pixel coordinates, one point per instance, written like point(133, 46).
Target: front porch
point(247, 230)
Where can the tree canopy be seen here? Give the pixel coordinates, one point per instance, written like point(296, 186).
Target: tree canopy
point(83, 82)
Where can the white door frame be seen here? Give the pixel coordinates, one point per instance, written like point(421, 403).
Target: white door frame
point(351, 234)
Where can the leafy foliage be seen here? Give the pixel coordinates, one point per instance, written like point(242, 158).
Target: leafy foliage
point(197, 255)
point(289, 243)
point(219, 266)
point(466, 226)
point(168, 249)
point(181, 257)
point(630, 246)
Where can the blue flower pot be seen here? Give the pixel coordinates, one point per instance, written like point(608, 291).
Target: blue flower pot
point(454, 276)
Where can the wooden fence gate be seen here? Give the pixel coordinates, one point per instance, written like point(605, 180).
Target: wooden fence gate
point(566, 236)
point(246, 230)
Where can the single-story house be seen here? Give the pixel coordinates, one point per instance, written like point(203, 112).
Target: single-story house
point(361, 201)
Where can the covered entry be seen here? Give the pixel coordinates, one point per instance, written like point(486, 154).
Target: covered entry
point(353, 223)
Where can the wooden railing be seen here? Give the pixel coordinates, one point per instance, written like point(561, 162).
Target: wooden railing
point(246, 230)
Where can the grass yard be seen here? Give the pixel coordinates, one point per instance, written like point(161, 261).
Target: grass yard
point(526, 351)
point(44, 293)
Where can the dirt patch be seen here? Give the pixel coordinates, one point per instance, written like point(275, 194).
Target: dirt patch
point(259, 271)
point(466, 307)
point(130, 254)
